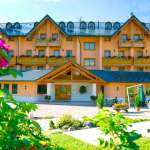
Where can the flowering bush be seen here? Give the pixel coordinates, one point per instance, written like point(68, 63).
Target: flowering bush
point(17, 131)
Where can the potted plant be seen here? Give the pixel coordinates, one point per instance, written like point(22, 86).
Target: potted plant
point(120, 106)
point(137, 102)
point(100, 100)
point(47, 98)
point(93, 98)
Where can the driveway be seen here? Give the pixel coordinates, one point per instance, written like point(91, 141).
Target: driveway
point(78, 110)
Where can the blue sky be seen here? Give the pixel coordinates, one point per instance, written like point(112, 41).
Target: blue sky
point(102, 10)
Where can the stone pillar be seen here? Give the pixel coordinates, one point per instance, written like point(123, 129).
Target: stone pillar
point(94, 89)
point(49, 89)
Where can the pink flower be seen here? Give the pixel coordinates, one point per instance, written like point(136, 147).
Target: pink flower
point(3, 62)
point(6, 47)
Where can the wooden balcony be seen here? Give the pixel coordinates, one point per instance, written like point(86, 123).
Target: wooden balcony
point(31, 60)
point(54, 61)
point(138, 43)
point(129, 43)
point(44, 43)
point(117, 61)
point(125, 44)
point(142, 61)
point(13, 60)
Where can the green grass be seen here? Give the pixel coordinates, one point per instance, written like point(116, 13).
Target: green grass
point(66, 142)
point(69, 143)
point(143, 143)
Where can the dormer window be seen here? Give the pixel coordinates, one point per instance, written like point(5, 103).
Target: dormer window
point(43, 36)
point(91, 26)
point(108, 26)
point(83, 25)
point(70, 26)
point(62, 25)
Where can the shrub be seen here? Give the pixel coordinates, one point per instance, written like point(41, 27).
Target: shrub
point(47, 98)
point(64, 120)
point(51, 124)
point(137, 101)
point(77, 124)
point(120, 105)
point(116, 126)
point(69, 121)
point(100, 100)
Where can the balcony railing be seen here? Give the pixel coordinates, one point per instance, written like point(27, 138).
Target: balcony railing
point(57, 61)
point(129, 43)
point(47, 42)
point(117, 61)
point(13, 60)
point(142, 61)
point(31, 60)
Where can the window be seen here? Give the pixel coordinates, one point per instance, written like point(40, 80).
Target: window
point(29, 52)
point(70, 26)
point(136, 37)
point(10, 38)
point(121, 69)
point(29, 38)
point(69, 53)
point(41, 53)
point(43, 36)
point(83, 25)
point(124, 37)
point(14, 88)
point(107, 54)
point(108, 26)
point(40, 67)
point(139, 54)
point(42, 89)
point(68, 38)
point(55, 36)
point(91, 26)
point(89, 46)
point(6, 88)
point(56, 53)
point(11, 53)
point(89, 62)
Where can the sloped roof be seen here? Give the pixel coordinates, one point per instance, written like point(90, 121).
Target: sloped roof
point(107, 76)
point(99, 28)
point(31, 75)
point(123, 76)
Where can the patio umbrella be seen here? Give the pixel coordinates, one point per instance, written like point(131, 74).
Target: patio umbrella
point(141, 95)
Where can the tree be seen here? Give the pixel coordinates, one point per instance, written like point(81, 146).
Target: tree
point(100, 100)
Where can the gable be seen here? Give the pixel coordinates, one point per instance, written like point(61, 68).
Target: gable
point(71, 72)
point(46, 24)
point(133, 23)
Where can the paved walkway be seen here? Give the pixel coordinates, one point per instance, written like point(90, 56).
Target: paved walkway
point(78, 110)
point(91, 135)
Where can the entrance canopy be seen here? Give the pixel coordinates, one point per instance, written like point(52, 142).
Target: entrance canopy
point(71, 72)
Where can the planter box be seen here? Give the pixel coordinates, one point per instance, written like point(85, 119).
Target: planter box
point(122, 108)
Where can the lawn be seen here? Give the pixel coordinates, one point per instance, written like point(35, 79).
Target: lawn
point(67, 142)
